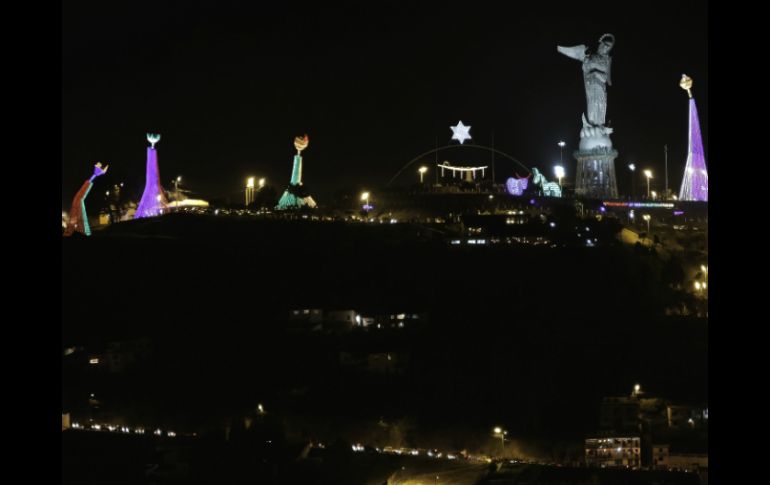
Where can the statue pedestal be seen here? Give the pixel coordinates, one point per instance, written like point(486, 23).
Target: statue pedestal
point(596, 173)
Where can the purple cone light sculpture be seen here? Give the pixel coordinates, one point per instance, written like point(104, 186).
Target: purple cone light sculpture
point(153, 201)
point(695, 185)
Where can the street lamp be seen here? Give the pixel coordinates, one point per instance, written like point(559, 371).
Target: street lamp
point(648, 174)
point(632, 167)
point(176, 189)
point(261, 182)
point(422, 171)
point(249, 191)
point(654, 195)
point(498, 431)
point(561, 151)
point(558, 170)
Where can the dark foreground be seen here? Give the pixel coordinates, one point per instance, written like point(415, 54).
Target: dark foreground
point(91, 458)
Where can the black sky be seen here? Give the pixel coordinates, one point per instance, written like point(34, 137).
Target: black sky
point(229, 84)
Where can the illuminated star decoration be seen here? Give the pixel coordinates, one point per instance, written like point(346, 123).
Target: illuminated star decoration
point(460, 132)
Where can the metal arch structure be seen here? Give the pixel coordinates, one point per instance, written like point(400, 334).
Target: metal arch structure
point(436, 150)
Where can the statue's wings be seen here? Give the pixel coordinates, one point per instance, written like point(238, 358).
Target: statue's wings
point(576, 52)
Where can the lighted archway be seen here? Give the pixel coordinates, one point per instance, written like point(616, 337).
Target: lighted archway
point(436, 150)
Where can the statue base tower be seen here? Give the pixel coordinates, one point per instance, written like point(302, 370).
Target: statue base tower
point(596, 173)
point(596, 163)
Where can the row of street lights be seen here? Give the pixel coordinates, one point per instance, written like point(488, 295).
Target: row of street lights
point(647, 174)
point(250, 189)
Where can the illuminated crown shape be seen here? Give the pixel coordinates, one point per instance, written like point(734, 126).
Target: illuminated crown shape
point(301, 142)
point(686, 84)
point(153, 138)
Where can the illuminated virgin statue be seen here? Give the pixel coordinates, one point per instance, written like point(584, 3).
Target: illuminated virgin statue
point(596, 76)
point(595, 177)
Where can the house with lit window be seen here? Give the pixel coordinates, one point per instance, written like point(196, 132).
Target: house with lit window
point(623, 451)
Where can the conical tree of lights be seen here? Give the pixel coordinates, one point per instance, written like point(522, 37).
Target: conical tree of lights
point(695, 185)
point(153, 202)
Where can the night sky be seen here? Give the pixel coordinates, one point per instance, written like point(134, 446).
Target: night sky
point(229, 84)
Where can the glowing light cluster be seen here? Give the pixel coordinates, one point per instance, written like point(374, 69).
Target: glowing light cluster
point(549, 189)
point(188, 203)
point(468, 172)
point(516, 186)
